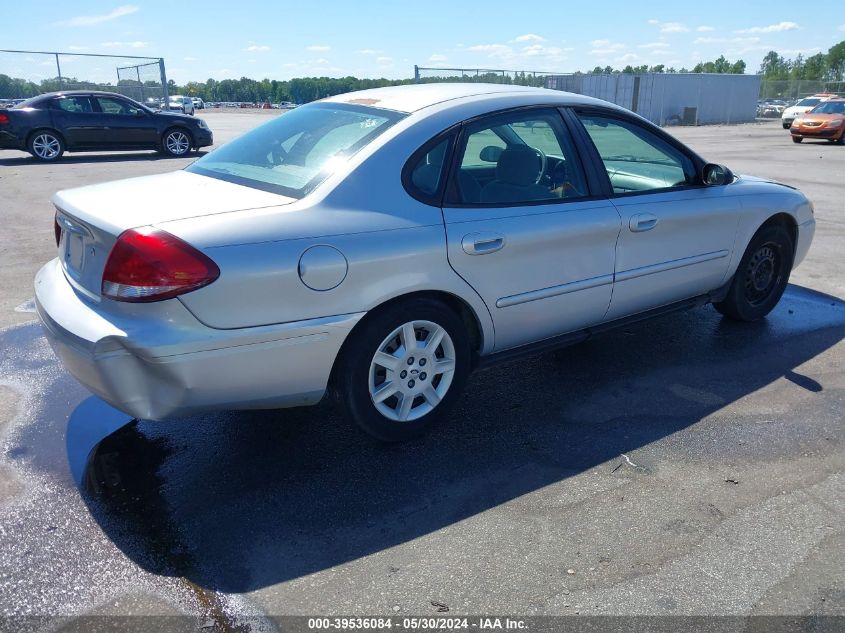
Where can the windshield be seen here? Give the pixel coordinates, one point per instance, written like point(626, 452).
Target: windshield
point(830, 107)
point(808, 102)
point(296, 151)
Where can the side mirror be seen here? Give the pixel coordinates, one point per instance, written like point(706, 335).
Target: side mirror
point(716, 175)
point(490, 154)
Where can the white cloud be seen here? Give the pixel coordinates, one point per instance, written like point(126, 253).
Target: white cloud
point(841, 27)
point(319, 48)
point(368, 51)
point(780, 27)
point(437, 57)
point(384, 60)
point(628, 57)
point(91, 20)
point(805, 52)
point(124, 44)
point(653, 21)
point(77, 48)
point(605, 47)
point(262, 48)
point(705, 29)
point(528, 37)
point(189, 59)
point(654, 45)
point(493, 50)
point(673, 27)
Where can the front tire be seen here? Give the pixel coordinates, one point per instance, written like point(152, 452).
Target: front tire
point(403, 368)
point(761, 276)
point(176, 142)
point(46, 146)
point(797, 139)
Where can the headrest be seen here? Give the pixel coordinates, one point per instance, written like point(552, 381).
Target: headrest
point(518, 166)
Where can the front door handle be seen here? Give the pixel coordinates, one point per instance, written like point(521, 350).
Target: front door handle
point(482, 243)
point(642, 222)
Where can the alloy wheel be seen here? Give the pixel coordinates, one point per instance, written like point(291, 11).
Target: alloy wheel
point(177, 143)
point(46, 146)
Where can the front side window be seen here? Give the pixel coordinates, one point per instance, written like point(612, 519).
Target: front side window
point(516, 158)
point(296, 151)
point(636, 159)
point(110, 105)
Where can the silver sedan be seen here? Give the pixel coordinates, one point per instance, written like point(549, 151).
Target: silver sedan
point(381, 244)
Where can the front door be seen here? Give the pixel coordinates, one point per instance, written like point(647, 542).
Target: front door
point(125, 125)
point(677, 234)
point(523, 230)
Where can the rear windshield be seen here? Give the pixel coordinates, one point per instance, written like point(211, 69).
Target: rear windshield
point(296, 151)
point(32, 102)
point(809, 102)
point(830, 107)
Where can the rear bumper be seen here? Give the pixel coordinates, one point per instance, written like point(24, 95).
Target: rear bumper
point(163, 363)
point(10, 141)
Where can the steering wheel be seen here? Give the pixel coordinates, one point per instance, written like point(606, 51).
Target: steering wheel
point(543, 164)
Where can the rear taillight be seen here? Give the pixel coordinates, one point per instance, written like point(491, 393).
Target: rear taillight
point(151, 265)
point(57, 229)
point(4, 118)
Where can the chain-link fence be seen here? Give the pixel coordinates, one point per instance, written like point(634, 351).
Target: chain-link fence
point(794, 89)
point(28, 73)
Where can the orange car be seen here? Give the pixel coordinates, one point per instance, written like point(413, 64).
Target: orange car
point(826, 120)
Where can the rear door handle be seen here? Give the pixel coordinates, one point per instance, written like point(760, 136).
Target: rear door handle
point(482, 243)
point(642, 222)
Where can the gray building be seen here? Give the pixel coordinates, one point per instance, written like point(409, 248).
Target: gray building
point(671, 98)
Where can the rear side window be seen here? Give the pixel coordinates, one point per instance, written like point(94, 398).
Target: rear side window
point(521, 157)
point(73, 104)
point(425, 178)
point(296, 151)
point(635, 158)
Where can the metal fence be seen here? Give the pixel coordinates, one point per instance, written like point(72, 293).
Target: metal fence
point(431, 74)
point(671, 98)
point(28, 73)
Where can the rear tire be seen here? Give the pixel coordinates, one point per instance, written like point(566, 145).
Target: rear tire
point(395, 390)
point(46, 145)
point(176, 142)
point(761, 276)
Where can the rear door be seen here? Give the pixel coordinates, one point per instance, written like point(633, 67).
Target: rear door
point(125, 125)
point(527, 234)
point(74, 116)
point(677, 234)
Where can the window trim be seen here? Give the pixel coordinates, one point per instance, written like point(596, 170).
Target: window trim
point(590, 147)
point(450, 196)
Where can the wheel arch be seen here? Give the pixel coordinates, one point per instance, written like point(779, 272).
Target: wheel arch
point(781, 219)
point(455, 303)
point(46, 128)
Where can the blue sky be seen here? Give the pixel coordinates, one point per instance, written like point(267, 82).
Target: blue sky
point(279, 40)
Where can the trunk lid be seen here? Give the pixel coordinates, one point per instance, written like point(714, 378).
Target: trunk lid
point(92, 218)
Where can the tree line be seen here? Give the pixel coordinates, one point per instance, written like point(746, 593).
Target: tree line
point(820, 67)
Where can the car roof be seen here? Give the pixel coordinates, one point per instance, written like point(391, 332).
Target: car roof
point(413, 97)
point(81, 93)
